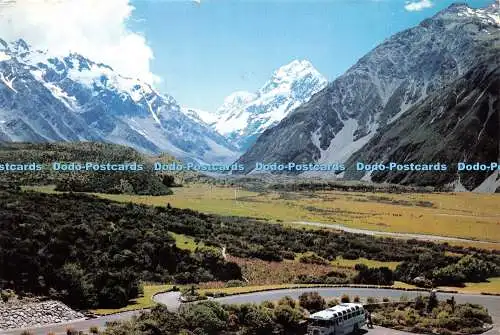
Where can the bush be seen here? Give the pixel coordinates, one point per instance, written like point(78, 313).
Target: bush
point(7, 295)
point(312, 301)
point(313, 258)
point(287, 316)
point(208, 315)
point(258, 321)
point(345, 298)
point(288, 301)
point(332, 303)
point(356, 299)
point(377, 276)
point(371, 300)
point(419, 302)
point(235, 283)
point(404, 298)
point(268, 304)
point(94, 330)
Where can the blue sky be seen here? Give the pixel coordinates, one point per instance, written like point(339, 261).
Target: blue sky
point(204, 53)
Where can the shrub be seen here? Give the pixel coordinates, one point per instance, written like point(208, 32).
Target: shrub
point(371, 300)
point(287, 316)
point(207, 315)
point(345, 298)
point(268, 304)
point(419, 302)
point(404, 298)
point(313, 258)
point(235, 283)
point(287, 301)
point(385, 299)
point(7, 295)
point(332, 302)
point(258, 321)
point(356, 299)
point(312, 301)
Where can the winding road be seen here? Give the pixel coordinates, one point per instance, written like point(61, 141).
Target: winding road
point(171, 300)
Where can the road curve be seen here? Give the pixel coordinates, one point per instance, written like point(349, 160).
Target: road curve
point(171, 300)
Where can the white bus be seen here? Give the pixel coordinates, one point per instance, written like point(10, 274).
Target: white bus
point(338, 320)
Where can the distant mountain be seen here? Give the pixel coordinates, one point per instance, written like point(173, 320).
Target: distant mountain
point(46, 99)
point(244, 115)
point(361, 111)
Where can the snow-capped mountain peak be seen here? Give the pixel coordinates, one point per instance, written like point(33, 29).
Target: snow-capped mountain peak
point(283, 78)
point(77, 99)
point(235, 100)
point(244, 115)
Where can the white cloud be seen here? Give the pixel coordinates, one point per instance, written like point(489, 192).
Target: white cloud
point(418, 5)
point(96, 29)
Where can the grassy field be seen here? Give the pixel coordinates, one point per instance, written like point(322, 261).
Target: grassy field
point(145, 301)
point(350, 263)
point(466, 215)
point(185, 242)
point(492, 287)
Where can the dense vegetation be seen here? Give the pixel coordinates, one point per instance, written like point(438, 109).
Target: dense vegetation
point(89, 253)
point(431, 270)
point(141, 183)
point(210, 318)
point(427, 315)
point(287, 317)
point(138, 182)
point(92, 252)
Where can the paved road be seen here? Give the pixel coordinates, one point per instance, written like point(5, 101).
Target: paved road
point(171, 300)
point(492, 303)
point(422, 237)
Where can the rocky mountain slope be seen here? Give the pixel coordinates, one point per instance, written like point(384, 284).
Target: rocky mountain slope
point(45, 99)
point(461, 123)
point(401, 74)
point(244, 115)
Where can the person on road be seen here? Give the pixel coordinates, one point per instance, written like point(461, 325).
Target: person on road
point(369, 319)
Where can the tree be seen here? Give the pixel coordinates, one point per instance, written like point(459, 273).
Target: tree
point(168, 180)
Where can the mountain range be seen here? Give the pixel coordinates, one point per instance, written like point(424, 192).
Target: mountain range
point(65, 99)
point(427, 94)
point(245, 115)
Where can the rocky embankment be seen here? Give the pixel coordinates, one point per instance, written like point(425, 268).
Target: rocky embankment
point(33, 314)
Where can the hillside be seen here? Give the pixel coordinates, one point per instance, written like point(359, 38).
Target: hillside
point(45, 154)
point(459, 123)
point(395, 79)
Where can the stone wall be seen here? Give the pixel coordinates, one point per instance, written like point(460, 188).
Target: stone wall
point(33, 314)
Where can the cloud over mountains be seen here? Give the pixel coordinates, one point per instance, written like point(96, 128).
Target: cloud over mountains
point(95, 28)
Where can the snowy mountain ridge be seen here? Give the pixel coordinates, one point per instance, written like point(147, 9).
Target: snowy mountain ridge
point(71, 98)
